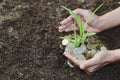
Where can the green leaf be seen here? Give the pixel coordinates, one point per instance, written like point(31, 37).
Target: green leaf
point(98, 8)
point(90, 34)
point(75, 34)
point(65, 37)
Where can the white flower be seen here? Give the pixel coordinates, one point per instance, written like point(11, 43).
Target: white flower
point(65, 42)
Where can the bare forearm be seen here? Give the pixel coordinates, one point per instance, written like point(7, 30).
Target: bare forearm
point(110, 19)
point(115, 55)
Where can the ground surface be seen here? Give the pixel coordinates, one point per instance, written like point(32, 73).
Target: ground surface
point(29, 40)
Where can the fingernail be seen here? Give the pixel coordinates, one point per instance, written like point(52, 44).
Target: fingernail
point(64, 53)
point(60, 27)
point(60, 30)
point(61, 22)
point(82, 66)
point(67, 55)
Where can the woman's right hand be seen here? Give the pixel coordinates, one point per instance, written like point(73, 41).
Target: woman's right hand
point(100, 60)
point(92, 26)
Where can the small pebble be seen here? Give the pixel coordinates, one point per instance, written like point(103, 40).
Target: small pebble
point(81, 1)
point(49, 3)
point(20, 74)
point(65, 42)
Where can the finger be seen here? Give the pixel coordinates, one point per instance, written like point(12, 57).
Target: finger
point(93, 68)
point(96, 67)
point(73, 59)
point(82, 12)
point(71, 28)
point(67, 20)
point(63, 27)
point(88, 63)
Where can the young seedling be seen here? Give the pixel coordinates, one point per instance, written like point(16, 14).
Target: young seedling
point(79, 39)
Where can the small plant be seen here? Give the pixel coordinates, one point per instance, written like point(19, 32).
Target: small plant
point(79, 39)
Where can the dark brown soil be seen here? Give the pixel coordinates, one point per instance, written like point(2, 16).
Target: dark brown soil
point(29, 40)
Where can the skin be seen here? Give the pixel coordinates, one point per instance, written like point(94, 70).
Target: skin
point(95, 24)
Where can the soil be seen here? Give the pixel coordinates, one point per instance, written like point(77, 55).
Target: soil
point(29, 40)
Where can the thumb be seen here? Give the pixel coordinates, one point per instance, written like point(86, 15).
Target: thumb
point(88, 63)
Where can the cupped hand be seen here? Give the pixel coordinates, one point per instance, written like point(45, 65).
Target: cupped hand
point(100, 60)
point(92, 26)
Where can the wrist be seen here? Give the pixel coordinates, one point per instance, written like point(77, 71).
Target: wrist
point(115, 55)
point(109, 20)
point(102, 23)
point(98, 23)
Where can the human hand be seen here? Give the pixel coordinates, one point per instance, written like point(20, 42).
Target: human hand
point(100, 60)
point(92, 26)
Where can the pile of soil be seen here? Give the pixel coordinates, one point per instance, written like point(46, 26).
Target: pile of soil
point(29, 40)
